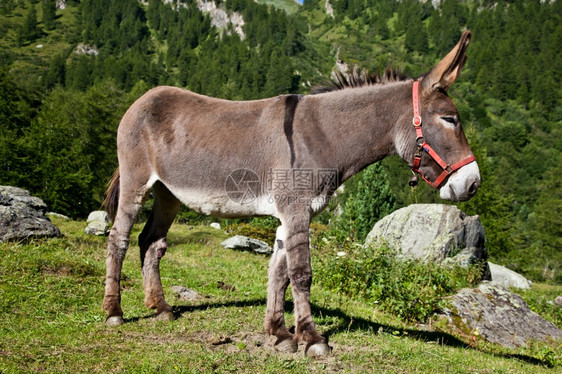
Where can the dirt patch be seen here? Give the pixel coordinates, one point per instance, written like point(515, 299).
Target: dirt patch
point(260, 343)
point(63, 270)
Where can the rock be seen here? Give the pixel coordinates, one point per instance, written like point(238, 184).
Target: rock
point(216, 225)
point(57, 215)
point(329, 9)
point(98, 215)
point(227, 287)
point(558, 301)
point(186, 294)
point(243, 243)
point(221, 340)
point(84, 49)
point(432, 233)
point(498, 316)
point(98, 223)
point(508, 278)
point(220, 18)
point(97, 228)
point(22, 216)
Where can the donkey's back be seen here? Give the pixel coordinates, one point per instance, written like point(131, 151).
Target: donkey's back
point(192, 143)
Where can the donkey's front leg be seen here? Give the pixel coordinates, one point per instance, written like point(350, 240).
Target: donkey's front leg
point(278, 280)
point(300, 275)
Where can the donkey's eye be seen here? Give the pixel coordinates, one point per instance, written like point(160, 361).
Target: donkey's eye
point(451, 120)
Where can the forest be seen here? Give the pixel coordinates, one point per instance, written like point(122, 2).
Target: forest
point(70, 69)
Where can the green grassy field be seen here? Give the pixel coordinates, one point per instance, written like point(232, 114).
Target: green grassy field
point(51, 318)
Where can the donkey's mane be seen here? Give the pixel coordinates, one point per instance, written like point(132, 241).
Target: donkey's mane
point(358, 78)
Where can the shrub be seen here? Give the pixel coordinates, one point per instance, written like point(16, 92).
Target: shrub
point(410, 290)
point(368, 200)
point(258, 228)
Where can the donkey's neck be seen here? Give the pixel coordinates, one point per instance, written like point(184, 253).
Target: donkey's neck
point(360, 126)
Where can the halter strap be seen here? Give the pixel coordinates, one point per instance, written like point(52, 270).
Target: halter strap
point(423, 146)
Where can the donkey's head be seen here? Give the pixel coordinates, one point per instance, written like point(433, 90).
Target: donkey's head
point(436, 147)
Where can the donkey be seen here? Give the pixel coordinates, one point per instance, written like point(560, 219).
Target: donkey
point(283, 157)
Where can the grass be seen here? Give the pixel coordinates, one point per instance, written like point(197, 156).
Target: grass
point(289, 6)
point(51, 319)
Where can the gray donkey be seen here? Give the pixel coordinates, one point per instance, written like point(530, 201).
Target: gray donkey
point(282, 157)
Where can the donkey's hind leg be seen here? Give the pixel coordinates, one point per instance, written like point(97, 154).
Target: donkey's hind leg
point(278, 281)
point(130, 202)
point(152, 242)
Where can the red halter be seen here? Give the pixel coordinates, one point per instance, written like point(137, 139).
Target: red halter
point(422, 145)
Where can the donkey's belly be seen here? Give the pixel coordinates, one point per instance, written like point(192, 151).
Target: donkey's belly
point(233, 204)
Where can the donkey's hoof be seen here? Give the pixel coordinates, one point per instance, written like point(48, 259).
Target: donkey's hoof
point(114, 321)
point(287, 346)
point(165, 316)
point(319, 350)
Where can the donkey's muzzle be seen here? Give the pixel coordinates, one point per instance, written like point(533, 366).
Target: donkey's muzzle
point(462, 185)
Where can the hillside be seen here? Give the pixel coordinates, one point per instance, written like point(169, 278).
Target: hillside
point(289, 6)
point(51, 319)
point(68, 74)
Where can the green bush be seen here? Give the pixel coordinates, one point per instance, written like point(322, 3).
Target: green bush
point(368, 198)
point(410, 290)
point(258, 228)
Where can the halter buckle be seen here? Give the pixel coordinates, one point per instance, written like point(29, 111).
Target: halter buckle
point(417, 121)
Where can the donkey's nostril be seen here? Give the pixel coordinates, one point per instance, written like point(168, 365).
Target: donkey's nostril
point(473, 188)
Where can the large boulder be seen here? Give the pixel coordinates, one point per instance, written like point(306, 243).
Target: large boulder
point(435, 233)
point(498, 316)
point(22, 216)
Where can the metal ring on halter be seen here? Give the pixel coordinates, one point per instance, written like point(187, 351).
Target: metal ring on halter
point(417, 121)
point(420, 141)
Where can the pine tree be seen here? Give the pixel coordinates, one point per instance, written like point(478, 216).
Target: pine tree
point(545, 227)
point(493, 206)
point(29, 31)
point(49, 14)
point(280, 79)
point(371, 200)
point(55, 74)
point(7, 6)
point(416, 37)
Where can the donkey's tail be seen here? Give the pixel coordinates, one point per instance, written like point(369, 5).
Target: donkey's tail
point(112, 195)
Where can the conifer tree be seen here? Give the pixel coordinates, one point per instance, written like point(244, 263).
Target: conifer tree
point(29, 31)
point(49, 14)
point(56, 72)
point(371, 200)
point(545, 227)
point(416, 37)
point(7, 6)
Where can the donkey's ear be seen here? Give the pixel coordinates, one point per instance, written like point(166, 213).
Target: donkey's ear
point(444, 74)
